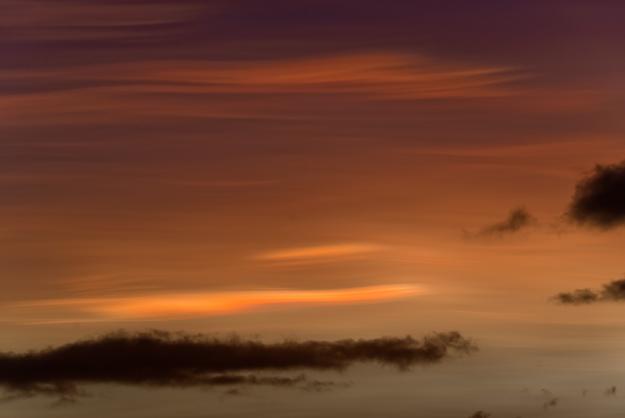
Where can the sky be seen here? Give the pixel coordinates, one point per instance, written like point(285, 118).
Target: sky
point(329, 175)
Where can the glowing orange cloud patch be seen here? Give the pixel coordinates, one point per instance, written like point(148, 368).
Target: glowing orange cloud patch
point(220, 303)
point(319, 253)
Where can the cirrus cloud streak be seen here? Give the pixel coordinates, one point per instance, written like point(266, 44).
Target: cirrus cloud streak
point(184, 305)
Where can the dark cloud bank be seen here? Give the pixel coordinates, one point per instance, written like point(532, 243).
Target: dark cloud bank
point(611, 292)
point(157, 358)
point(599, 199)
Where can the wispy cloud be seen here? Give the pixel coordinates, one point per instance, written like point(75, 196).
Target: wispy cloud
point(517, 220)
point(319, 253)
point(48, 20)
point(381, 75)
point(177, 305)
point(238, 88)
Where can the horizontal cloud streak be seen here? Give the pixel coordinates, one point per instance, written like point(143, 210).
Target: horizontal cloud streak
point(319, 253)
point(46, 20)
point(388, 75)
point(159, 358)
point(212, 303)
point(238, 88)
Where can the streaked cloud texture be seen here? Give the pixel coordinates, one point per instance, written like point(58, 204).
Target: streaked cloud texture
point(310, 170)
point(185, 305)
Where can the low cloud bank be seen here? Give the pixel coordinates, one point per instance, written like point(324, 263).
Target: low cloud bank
point(158, 358)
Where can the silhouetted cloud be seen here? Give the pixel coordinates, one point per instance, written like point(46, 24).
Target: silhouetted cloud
point(578, 297)
point(599, 199)
point(480, 414)
point(69, 391)
point(614, 291)
point(158, 358)
point(518, 219)
point(611, 292)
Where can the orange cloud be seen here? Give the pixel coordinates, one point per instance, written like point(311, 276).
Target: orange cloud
point(176, 305)
point(319, 253)
point(383, 75)
point(198, 88)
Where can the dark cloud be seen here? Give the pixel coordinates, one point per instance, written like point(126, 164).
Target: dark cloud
point(578, 297)
point(480, 414)
point(69, 392)
point(599, 199)
point(157, 358)
point(518, 219)
point(614, 291)
point(611, 292)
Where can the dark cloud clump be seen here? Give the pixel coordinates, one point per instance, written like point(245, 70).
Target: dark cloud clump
point(578, 297)
point(517, 220)
point(480, 414)
point(599, 199)
point(158, 358)
point(611, 292)
point(614, 291)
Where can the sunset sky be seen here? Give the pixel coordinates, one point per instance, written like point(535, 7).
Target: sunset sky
point(317, 170)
